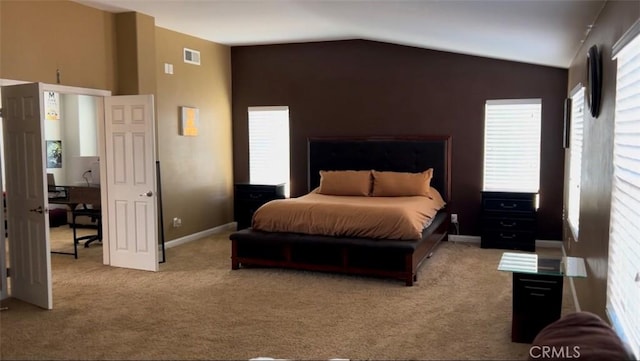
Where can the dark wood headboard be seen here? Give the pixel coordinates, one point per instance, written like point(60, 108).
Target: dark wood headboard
point(398, 154)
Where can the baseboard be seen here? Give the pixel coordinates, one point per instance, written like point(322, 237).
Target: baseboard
point(548, 243)
point(572, 285)
point(195, 236)
point(463, 238)
point(476, 239)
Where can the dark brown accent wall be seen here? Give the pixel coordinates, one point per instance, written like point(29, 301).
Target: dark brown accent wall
point(597, 157)
point(359, 87)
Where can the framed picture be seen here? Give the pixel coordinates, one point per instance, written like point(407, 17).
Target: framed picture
point(54, 154)
point(189, 121)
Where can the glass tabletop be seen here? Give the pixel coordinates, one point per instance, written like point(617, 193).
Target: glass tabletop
point(531, 263)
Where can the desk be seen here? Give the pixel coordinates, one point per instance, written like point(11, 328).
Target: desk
point(72, 196)
point(537, 290)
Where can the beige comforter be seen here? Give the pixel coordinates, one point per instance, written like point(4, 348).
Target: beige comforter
point(369, 217)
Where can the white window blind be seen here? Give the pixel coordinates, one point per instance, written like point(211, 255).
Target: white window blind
point(512, 145)
point(269, 145)
point(623, 278)
point(575, 159)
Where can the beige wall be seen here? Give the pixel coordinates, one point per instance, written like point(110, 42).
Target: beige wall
point(135, 53)
point(39, 36)
point(197, 174)
point(597, 155)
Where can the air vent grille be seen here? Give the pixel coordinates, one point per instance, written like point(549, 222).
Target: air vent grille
point(191, 56)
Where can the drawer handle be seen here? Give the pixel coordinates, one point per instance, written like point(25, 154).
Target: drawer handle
point(538, 281)
point(506, 206)
point(538, 288)
point(512, 224)
point(512, 236)
point(255, 196)
point(537, 294)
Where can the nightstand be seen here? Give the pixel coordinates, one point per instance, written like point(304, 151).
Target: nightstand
point(249, 197)
point(509, 220)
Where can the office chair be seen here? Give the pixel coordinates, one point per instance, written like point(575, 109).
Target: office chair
point(96, 216)
point(84, 196)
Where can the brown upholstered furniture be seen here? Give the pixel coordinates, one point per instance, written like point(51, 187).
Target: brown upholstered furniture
point(365, 256)
point(578, 336)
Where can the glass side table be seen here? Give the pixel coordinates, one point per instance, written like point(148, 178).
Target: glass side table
point(537, 290)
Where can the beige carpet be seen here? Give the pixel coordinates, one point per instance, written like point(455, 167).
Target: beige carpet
point(197, 308)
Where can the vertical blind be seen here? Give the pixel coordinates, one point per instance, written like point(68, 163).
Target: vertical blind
point(623, 278)
point(269, 145)
point(512, 145)
point(575, 159)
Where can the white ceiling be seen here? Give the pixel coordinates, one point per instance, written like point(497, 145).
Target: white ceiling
point(546, 32)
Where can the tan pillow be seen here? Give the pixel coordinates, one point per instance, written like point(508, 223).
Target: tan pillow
point(401, 184)
point(438, 202)
point(345, 182)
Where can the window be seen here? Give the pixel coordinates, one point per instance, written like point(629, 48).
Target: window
point(512, 145)
point(623, 277)
point(575, 158)
point(269, 145)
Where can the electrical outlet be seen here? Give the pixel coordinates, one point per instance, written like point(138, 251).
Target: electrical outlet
point(177, 222)
point(454, 218)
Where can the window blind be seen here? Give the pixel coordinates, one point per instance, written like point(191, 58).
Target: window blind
point(512, 145)
point(269, 145)
point(623, 278)
point(575, 159)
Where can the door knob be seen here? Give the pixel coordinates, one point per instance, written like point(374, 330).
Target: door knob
point(37, 210)
point(148, 194)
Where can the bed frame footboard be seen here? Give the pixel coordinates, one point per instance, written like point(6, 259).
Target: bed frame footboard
point(358, 256)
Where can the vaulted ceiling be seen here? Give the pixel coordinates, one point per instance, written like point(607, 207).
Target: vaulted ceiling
point(545, 32)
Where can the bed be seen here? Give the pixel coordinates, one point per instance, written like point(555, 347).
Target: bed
point(390, 258)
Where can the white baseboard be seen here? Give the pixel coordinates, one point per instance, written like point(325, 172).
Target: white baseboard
point(463, 238)
point(548, 243)
point(476, 239)
point(195, 236)
point(572, 285)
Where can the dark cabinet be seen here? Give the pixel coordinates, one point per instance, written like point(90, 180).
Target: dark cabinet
point(249, 197)
point(509, 220)
point(537, 302)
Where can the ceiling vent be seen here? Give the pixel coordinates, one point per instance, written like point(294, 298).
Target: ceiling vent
point(191, 56)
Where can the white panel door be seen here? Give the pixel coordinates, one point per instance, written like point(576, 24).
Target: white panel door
point(131, 182)
point(28, 221)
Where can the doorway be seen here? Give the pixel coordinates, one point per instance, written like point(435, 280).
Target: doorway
point(126, 134)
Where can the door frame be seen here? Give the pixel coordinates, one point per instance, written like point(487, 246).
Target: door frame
point(63, 89)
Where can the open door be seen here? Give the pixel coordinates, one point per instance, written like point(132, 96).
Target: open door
point(28, 221)
point(131, 196)
point(4, 290)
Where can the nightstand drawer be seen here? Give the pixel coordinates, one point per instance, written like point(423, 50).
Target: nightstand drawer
point(254, 195)
point(509, 235)
point(508, 224)
point(258, 191)
point(509, 205)
point(536, 293)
